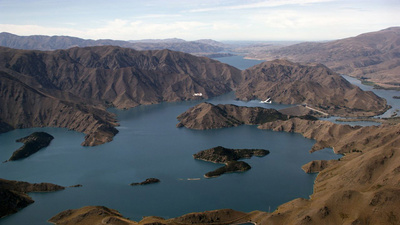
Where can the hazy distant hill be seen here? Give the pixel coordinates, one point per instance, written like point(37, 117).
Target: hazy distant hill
point(72, 88)
point(373, 56)
point(41, 42)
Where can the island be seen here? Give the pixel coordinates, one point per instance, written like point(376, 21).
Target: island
point(208, 116)
point(147, 181)
point(230, 158)
point(32, 144)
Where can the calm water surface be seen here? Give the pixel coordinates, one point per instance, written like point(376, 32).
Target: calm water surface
point(149, 145)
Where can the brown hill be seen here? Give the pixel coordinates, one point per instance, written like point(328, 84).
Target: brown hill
point(72, 88)
point(362, 188)
point(13, 195)
point(315, 85)
point(372, 56)
point(208, 116)
point(28, 107)
point(103, 215)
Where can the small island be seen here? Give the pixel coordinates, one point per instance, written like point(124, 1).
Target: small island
point(147, 181)
point(230, 158)
point(32, 144)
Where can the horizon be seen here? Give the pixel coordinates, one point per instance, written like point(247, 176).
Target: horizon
point(255, 20)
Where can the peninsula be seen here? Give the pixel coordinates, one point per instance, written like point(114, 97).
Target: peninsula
point(13, 195)
point(32, 144)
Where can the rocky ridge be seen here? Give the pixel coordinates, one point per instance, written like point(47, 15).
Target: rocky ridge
point(373, 57)
point(312, 84)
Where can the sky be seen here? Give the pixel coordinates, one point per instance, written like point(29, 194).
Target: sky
point(257, 20)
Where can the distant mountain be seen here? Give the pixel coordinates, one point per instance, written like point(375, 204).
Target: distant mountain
point(41, 42)
point(72, 88)
point(371, 56)
point(312, 84)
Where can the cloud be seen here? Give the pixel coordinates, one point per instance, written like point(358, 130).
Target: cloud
point(262, 4)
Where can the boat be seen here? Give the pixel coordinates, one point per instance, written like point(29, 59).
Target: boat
point(267, 101)
point(198, 94)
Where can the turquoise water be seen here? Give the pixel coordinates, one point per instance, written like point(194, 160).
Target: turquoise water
point(149, 145)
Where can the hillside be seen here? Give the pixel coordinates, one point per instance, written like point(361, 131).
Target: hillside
point(374, 56)
point(208, 116)
point(312, 84)
point(13, 195)
point(42, 42)
point(72, 88)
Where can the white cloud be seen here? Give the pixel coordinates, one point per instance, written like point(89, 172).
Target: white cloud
point(262, 4)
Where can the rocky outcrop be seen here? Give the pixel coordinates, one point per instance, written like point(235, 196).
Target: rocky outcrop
point(311, 84)
point(229, 157)
point(147, 181)
point(372, 57)
point(32, 144)
point(229, 167)
point(317, 166)
point(72, 88)
point(13, 195)
point(208, 116)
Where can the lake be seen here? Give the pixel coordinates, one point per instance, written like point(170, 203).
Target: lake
point(150, 145)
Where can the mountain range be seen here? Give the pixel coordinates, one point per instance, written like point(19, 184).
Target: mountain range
point(42, 42)
point(315, 85)
point(373, 57)
point(73, 88)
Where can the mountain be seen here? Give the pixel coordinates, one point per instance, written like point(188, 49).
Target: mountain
point(373, 57)
point(208, 116)
point(42, 42)
point(312, 84)
point(72, 88)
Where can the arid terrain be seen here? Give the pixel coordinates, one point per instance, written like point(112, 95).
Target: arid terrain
point(372, 57)
point(73, 88)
